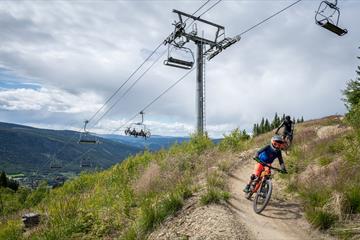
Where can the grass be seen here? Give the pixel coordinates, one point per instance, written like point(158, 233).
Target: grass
point(331, 190)
point(126, 201)
point(319, 218)
point(352, 199)
point(12, 230)
point(215, 189)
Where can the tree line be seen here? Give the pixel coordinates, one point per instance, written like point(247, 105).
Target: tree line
point(7, 182)
point(265, 125)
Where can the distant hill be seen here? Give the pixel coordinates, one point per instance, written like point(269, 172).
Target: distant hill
point(153, 143)
point(28, 149)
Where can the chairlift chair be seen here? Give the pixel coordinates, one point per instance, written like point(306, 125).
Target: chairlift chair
point(329, 21)
point(177, 62)
point(86, 137)
point(55, 164)
point(139, 126)
point(85, 163)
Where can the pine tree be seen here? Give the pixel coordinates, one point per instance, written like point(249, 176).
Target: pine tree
point(352, 91)
point(3, 179)
point(262, 125)
point(267, 125)
point(302, 119)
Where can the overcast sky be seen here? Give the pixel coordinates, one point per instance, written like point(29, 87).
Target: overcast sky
point(61, 60)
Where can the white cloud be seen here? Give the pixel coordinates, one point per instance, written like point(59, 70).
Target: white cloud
point(48, 100)
point(81, 52)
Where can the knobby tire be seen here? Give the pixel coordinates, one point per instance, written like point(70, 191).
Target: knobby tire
point(258, 196)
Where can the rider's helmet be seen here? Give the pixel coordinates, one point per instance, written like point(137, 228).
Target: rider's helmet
point(277, 142)
point(287, 118)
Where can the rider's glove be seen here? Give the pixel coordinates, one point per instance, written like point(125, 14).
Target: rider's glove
point(283, 169)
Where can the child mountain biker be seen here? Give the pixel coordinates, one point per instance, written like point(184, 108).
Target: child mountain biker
point(288, 128)
point(267, 155)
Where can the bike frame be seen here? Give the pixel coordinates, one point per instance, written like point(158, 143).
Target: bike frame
point(264, 175)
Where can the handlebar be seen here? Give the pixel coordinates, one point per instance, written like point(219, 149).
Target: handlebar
point(266, 165)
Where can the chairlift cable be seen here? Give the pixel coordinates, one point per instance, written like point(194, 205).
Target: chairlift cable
point(154, 100)
point(130, 87)
point(268, 18)
point(152, 53)
point(212, 6)
point(119, 88)
point(116, 92)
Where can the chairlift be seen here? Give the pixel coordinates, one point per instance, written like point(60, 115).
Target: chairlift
point(85, 163)
point(327, 16)
point(176, 56)
point(55, 163)
point(138, 129)
point(86, 137)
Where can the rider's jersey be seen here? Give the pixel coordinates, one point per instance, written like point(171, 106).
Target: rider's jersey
point(268, 154)
point(287, 126)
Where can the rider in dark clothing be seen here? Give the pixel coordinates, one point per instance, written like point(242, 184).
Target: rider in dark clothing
point(288, 127)
point(134, 132)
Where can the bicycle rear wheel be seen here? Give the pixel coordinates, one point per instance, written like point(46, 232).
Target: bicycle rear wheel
point(263, 196)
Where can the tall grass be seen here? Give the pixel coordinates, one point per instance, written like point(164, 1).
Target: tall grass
point(126, 201)
point(215, 189)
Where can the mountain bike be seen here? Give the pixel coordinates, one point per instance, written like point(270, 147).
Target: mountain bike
point(288, 140)
point(262, 187)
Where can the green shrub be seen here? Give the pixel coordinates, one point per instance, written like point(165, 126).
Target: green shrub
point(199, 143)
point(214, 195)
point(215, 189)
point(315, 196)
point(319, 218)
point(235, 141)
point(352, 199)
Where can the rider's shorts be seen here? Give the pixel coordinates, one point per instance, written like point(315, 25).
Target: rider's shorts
point(259, 168)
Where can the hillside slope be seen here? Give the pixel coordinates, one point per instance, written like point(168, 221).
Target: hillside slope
point(27, 149)
point(194, 191)
point(287, 216)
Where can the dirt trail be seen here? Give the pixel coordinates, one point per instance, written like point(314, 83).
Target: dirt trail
point(280, 219)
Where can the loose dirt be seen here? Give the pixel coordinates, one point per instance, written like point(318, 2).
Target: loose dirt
point(281, 219)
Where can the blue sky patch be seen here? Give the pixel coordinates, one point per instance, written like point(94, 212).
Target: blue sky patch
point(8, 80)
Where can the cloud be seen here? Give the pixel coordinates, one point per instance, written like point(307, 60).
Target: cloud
point(48, 100)
point(81, 52)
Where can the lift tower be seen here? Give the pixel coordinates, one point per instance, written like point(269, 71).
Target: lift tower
point(205, 47)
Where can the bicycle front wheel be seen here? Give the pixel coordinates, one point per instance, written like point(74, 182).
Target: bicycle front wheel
point(263, 196)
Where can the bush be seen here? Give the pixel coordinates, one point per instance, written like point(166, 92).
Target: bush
point(215, 189)
point(235, 141)
point(319, 218)
point(352, 199)
point(315, 196)
point(199, 143)
point(214, 195)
